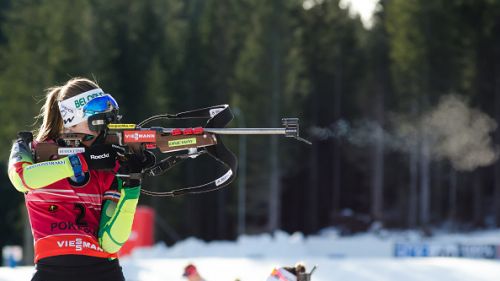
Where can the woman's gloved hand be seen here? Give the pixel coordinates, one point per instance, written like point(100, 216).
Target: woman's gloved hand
point(133, 165)
point(96, 157)
point(101, 156)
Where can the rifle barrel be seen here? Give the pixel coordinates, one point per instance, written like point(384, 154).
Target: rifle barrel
point(289, 131)
point(240, 131)
point(246, 131)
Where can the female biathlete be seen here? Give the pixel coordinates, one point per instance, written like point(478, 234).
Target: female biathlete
point(80, 212)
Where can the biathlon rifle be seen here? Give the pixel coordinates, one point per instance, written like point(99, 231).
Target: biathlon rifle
point(177, 143)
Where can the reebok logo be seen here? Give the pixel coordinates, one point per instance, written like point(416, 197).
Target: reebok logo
point(99, 157)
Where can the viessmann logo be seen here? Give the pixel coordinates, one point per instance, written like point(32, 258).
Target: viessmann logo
point(139, 136)
point(78, 244)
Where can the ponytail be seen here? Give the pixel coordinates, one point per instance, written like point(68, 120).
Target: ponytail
point(52, 124)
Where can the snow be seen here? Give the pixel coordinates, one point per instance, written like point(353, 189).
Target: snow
point(367, 256)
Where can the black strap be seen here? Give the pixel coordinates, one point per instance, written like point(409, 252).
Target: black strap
point(218, 117)
point(25, 136)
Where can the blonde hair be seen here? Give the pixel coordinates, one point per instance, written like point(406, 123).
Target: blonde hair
point(52, 123)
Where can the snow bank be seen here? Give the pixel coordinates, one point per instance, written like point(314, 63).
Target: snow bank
point(367, 257)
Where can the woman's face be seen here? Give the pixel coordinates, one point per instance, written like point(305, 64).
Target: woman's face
point(82, 128)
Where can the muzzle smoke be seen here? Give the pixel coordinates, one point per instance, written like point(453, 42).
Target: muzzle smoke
point(452, 130)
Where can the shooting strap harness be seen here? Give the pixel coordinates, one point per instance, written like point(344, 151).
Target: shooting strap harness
point(218, 117)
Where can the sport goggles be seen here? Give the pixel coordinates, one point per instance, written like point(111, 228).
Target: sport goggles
point(72, 112)
point(100, 104)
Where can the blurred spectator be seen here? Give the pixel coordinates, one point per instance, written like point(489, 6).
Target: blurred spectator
point(281, 274)
point(191, 273)
point(297, 273)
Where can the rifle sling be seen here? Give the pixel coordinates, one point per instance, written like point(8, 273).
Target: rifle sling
point(218, 117)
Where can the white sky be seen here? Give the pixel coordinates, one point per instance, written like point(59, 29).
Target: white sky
point(365, 8)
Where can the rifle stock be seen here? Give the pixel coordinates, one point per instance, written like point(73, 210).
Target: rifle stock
point(46, 151)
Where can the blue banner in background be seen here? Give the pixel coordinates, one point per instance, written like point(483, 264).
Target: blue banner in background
point(411, 250)
point(481, 251)
point(478, 251)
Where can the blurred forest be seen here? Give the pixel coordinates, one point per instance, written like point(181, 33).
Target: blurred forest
point(402, 115)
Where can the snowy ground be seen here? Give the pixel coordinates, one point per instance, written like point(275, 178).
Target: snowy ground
point(360, 257)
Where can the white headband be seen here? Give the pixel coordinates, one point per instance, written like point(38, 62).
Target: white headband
point(72, 109)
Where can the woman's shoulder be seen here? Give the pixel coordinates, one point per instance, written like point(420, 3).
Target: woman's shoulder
point(34, 143)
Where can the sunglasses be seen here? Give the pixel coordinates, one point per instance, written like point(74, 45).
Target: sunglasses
point(101, 104)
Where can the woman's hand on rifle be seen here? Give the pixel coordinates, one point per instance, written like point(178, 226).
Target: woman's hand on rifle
point(133, 165)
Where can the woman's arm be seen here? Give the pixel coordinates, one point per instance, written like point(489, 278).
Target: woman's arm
point(26, 176)
point(117, 216)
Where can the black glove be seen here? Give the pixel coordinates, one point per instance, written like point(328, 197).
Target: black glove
point(133, 165)
point(100, 157)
